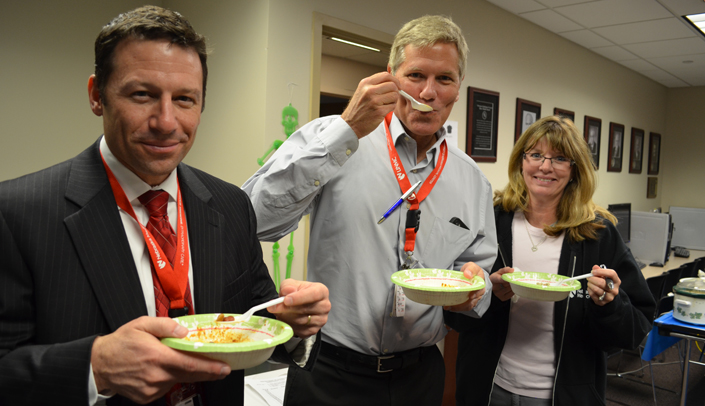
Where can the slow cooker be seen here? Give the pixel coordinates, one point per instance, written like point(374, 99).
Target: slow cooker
point(689, 300)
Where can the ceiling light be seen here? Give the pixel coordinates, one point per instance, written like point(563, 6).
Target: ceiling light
point(697, 21)
point(354, 44)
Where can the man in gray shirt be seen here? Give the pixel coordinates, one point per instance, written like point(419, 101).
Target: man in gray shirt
point(346, 171)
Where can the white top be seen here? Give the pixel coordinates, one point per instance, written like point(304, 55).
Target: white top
point(527, 364)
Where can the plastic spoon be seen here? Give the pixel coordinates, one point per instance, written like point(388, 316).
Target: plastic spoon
point(414, 104)
point(575, 278)
point(246, 316)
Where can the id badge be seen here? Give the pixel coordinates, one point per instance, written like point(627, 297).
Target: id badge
point(184, 394)
point(399, 302)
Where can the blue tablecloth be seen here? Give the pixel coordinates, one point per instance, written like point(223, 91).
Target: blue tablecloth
point(656, 343)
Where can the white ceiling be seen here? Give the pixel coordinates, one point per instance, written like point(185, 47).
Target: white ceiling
point(647, 36)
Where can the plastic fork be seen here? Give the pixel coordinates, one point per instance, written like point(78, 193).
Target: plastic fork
point(246, 316)
point(414, 104)
point(575, 278)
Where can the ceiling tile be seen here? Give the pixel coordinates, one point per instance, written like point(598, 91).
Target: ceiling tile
point(558, 3)
point(638, 65)
point(613, 12)
point(586, 38)
point(615, 53)
point(551, 21)
point(517, 7)
point(656, 30)
point(683, 7)
point(673, 47)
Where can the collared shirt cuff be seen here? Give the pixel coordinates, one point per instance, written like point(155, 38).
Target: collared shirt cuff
point(300, 349)
point(93, 396)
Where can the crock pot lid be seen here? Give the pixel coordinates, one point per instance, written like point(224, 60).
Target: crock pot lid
point(692, 286)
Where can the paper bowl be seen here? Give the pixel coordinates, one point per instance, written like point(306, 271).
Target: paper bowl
point(436, 287)
point(263, 335)
point(536, 285)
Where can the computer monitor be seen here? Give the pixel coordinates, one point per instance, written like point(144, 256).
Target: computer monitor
point(623, 212)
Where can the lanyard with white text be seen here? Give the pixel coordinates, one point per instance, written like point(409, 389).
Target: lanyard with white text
point(413, 216)
point(174, 279)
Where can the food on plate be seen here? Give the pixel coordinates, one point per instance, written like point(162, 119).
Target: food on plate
point(222, 317)
point(218, 335)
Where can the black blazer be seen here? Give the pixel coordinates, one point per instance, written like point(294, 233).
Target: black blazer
point(67, 275)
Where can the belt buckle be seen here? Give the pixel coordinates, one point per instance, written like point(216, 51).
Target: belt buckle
point(379, 364)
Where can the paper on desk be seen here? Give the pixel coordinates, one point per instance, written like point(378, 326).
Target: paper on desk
point(271, 389)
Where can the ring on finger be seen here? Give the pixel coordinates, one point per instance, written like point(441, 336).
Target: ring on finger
point(309, 320)
point(602, 296)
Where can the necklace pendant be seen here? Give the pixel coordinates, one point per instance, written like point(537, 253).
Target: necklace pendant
point(534, 249)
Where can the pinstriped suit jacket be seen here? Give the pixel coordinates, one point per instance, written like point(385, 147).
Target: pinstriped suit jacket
point(67, 275)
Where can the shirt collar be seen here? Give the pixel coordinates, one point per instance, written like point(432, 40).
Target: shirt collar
point(396, 129)
point(131, 184)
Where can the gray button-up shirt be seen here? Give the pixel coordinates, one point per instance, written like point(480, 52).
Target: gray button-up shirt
point(346, 184)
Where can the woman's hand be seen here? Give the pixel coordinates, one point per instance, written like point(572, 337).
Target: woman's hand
point(598, 287)
point(500, 288)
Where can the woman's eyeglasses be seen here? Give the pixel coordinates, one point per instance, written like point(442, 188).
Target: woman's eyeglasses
point(558, 162)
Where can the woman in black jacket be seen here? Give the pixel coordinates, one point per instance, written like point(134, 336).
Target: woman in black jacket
point(552, 353)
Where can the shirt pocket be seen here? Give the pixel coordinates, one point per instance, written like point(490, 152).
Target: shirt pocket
point(446, 242)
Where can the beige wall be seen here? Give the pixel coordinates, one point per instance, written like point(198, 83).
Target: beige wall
point(683, 155)
point(260, 47)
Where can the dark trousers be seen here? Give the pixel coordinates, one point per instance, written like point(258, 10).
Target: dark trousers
point(341, 377)
point(502, 397)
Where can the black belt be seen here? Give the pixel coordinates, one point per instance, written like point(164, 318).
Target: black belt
point(382, 363)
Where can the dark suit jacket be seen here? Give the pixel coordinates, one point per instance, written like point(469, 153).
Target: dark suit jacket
point(67, 275)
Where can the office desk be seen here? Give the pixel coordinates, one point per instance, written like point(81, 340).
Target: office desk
point(673, 262)
point(666, 332)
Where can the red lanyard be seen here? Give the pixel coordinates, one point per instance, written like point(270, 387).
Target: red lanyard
point(413, 216)
point(174, 280)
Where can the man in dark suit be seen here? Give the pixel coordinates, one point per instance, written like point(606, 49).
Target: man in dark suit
point(77, 284)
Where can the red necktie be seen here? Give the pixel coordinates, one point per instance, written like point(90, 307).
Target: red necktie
point(155, 201)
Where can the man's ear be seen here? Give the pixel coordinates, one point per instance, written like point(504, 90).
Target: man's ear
point(94, 97)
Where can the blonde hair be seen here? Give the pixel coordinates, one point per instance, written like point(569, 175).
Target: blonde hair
point(424, 32)
point(576, 211)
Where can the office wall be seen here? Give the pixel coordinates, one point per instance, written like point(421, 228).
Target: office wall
point(683, 156)
point(261, 61)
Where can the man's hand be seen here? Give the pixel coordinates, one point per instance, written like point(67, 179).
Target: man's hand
point(470, 270)
point(133, 362)
point(305, 308)
point(374, 98)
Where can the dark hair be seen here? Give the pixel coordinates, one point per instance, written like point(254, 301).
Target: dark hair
point(146, 23)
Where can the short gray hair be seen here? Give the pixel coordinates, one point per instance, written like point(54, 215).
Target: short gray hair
point(424, 32)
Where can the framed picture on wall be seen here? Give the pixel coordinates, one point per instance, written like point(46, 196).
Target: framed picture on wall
point(636, 156)
point(654, 153)
point(614, 157)
point(565, 113)
point(483, 118)
point(651, 184)
point(592, 134)
point(527, 113)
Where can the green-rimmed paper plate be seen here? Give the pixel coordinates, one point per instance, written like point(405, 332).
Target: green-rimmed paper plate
point(262, 333)
point(436, 287)
point(537, 285)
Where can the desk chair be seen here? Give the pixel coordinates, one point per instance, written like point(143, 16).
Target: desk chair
point(690, 269)
point(672, 278)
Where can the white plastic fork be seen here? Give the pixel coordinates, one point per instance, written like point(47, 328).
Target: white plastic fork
point(415, 104)
point(246, 316)
point(575, 278)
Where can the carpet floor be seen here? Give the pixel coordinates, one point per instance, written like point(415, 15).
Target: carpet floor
point(634, 389)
